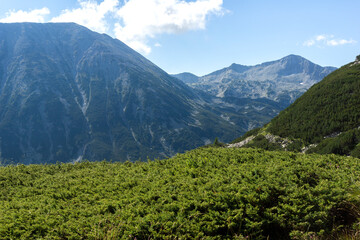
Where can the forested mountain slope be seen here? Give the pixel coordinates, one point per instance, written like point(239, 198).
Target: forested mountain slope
point(331, 106)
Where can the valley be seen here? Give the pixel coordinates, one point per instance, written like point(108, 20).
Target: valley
point(97, 142)
point(68, 94)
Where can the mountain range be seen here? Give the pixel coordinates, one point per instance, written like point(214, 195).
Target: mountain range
point(281, 81)
point(325, 119)
point(67, 93)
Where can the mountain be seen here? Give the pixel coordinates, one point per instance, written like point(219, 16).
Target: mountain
point(281, 81)
point(186, 77)
point(67, 93)
point(259, 92)
point(325, 119)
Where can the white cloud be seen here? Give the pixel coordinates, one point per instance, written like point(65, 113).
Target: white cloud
point(90, 14)
point(334, 42)
point(309, 43)
point(36, 15)
point(327, 40)
point(144, 19)
point(320, 37)
point(133, 21)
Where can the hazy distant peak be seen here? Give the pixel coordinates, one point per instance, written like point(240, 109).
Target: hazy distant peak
point(281, 80)
point(186, 77)
point(294, 57)
point(238, 68)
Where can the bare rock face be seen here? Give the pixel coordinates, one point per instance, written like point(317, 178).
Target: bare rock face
point(281, 81)
point(67, 93)
point(259, 92)
point(241, 143)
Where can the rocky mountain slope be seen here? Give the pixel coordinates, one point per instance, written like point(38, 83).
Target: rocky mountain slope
point(67, 93)
point(326, 119)
point(186, 77)
point(281, 81)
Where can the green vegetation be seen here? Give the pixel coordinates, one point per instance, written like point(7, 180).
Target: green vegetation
point(326, 119)
point(261, 142)
point(247, 134)
point(344, 144)
point(217, 143)
point(328, 107)
point(209, 193)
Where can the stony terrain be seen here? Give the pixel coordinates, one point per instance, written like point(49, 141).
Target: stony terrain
point(281, 81)
point(67, 93)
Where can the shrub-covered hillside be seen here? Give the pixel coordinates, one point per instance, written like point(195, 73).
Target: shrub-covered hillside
point(210, 193)
point(328, 107)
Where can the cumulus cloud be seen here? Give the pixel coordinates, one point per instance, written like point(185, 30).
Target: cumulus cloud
point(144, 19)
point(327, 40)
point(334, 42)
point(37, 15)
point(131, 21)
point(90, 14)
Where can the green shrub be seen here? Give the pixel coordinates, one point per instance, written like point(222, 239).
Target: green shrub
point(329, 106)
point(261, 142)
point(210, 193)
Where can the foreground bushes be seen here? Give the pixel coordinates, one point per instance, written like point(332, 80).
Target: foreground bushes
point(206, 193)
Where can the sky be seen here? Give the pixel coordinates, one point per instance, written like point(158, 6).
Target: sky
point(202, 36)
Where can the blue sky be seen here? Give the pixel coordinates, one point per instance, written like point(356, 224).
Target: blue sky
point(201, 36)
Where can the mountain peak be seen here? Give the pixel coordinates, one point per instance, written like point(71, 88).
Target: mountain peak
point(186, 77)
point(293, 56)
point(68, 93)
point(238, 68)
point(295, 59)
point(281, 80)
